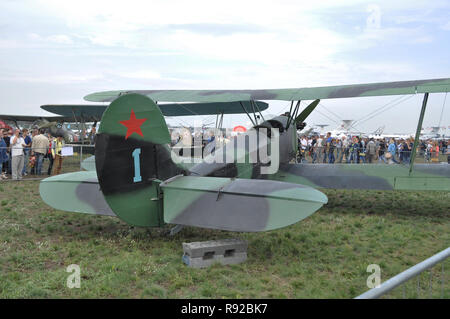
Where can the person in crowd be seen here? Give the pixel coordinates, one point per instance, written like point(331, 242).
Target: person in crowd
point(447, 151)
point(39, 147)
point(32, 160)
point(352, 151)
point(428, 152)
point(319, 148)
point(50, 153)
point(435, 152)
point(93, 135)
point(303, 147)
point(359, 149)
point(26, 150)
point(326, 146)
point(309, 148)
point(3, 155)
point(423, 148)
point(59, 144)
point(363, 143)
point(392, 148)
point(401, 153)
point(331, 145)
point(381, 151)
point(371, 150)
point(17, 144)
point(7, 139)
point(346, 145)
point(339, 150)
point(409, 147)
point(377, 146)
point(314, 149)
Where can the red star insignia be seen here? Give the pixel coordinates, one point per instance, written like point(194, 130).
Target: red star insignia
point(133, 125)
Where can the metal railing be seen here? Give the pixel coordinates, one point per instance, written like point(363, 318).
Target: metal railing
point(320, 154)
point(408, 274)
point(72, 163)
point(317, 155)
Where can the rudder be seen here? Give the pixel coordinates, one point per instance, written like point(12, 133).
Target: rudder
point(132, 157)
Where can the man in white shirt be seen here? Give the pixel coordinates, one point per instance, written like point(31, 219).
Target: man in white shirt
point(320, 148)
point(39, 147)
point(17, 145)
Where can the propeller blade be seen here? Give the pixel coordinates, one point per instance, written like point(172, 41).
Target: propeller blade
point(48, 124)
point(305, 113)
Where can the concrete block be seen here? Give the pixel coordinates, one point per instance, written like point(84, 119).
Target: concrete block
point(204, 254)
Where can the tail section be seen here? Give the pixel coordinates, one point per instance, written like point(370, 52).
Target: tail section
point(132, 158)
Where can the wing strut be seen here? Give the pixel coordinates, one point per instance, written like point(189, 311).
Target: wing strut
point(254, 112)
point(257, 107)
point(293, 115)
point(219, 121)
point(419, 128)
point(245, 110)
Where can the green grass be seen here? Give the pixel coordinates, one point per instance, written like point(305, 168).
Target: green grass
point(324, 256)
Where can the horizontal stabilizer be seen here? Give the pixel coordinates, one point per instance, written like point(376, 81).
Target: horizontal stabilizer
point(245, 205)
point(75, 192)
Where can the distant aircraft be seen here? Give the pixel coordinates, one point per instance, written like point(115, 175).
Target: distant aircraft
point(53, 124)
point(138, 180)
point(3, 125)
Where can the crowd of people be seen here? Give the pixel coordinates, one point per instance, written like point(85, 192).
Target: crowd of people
point(22, 153)
point(354, 149)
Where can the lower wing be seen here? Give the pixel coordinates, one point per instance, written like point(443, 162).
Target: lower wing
point(431, 177)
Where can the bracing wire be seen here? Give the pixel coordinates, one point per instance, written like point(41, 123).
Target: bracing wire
point(382, 111)
point(442, 111)
point(329, 111)
point(321, 113)
point(381, 108)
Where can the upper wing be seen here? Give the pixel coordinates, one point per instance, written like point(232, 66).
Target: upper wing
point(74, 112)
point(325, 92)
point(94, 112)
point(236, 107)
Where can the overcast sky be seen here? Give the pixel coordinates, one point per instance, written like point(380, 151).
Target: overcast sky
point(59, 51)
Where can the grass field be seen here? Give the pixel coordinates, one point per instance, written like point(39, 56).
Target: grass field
point(324, 256)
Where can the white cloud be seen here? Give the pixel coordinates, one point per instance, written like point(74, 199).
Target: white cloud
point(141, 74)
point(55, 38)
point(60, 39)
point(51, 79)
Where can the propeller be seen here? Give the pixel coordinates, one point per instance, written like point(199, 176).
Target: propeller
point(305, 113)
point(48, 124)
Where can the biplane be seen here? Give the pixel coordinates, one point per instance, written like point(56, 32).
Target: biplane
point(52, 124)
point(138, 179)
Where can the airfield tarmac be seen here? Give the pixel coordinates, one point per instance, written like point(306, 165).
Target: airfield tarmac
point(323, 256)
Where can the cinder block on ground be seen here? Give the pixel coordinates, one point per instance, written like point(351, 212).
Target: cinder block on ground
point(205, 253)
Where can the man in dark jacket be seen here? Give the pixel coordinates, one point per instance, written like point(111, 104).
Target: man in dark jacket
point(3, 155)
point(371, 149)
